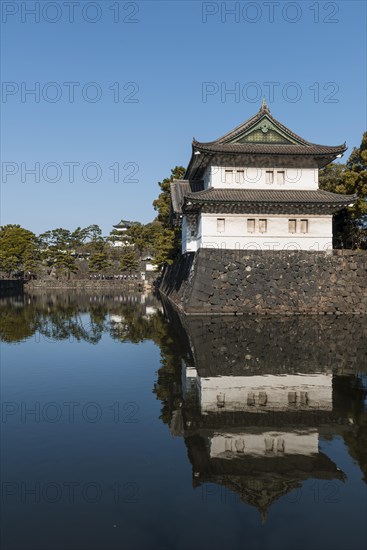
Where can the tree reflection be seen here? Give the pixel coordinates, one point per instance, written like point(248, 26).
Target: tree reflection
point(58, 316)
point(17, 322)
point(352, 400)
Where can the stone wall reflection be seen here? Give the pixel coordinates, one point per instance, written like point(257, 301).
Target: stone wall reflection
point(256, 395)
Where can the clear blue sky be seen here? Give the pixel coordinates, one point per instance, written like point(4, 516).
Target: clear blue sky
point(169, 53)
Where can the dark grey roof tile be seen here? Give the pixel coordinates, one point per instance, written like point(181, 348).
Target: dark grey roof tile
point(268, 196)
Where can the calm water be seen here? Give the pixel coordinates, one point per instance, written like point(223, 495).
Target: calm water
point(124, 426)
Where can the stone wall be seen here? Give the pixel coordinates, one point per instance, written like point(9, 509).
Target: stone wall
point(83, 284)
point(270, 282)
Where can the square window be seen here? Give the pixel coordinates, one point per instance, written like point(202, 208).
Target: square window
point(269, 176)
point(263, 225)
point(292, 226)
point(250, 226)
point(281, 177)
point(221, 225)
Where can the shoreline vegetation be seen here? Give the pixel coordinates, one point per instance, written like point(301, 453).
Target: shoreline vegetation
point(132, 251)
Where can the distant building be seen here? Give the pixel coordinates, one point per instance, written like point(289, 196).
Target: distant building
point(150, 264)
point(257, 188)
point(120, 230)
point(123, 226)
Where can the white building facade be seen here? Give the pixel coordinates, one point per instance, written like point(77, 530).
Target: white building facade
point(257, 188)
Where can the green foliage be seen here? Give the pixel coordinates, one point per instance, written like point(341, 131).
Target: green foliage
point(163, 203)
point(128, 260)
point(17, 323)
point(18, 247)
point(156, 239)
point(163, 242)
point(56, 239)
point(94, 233)
point(349, 179)
point(98, 262)
point(65, 262)
point(31, 260)
point(331, 178)
point(136, 235)
point(9, 263)
point(86, 239)
point(58, 250)
point(159, 237)
point(355, 180)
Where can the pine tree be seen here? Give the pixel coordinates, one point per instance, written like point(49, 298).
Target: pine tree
point(163, 203)
point(128, 260)
point(351, 178)
point(17, 246)
point(98, 262)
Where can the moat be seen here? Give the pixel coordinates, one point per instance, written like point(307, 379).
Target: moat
point(125, 425)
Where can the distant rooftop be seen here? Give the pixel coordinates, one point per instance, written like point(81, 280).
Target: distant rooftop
point(124, 224)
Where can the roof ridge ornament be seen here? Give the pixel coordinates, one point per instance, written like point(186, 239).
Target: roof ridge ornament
point(264, 107)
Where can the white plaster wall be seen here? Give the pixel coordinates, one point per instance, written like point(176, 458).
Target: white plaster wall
point(150, 267)
point(233, 392)
point(255, 178)
point(277, 237)
point(229, 445)
point(190, 243)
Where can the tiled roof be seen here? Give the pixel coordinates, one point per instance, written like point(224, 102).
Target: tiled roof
point(232, 144)
point(124, 224)
point(268, 196)
point(180, 188)
point(269, 148)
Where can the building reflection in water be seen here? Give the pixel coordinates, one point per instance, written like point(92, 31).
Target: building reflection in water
point(257, 394)
point(252, 396)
